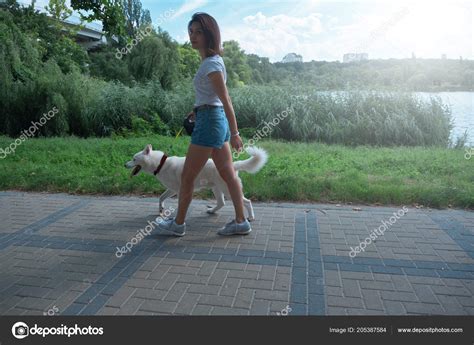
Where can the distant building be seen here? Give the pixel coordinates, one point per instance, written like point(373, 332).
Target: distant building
point(413, 56)
point(443, 56)
point(350, 57)
point(292, 57)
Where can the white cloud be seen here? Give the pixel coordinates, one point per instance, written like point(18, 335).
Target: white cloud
point(428, 30)
point(188, 6)
point(275, 36)
point(388, 31)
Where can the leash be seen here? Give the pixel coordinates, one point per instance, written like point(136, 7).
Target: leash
point(177, 135)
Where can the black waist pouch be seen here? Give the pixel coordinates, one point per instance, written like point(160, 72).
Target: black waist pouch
point(188, 124)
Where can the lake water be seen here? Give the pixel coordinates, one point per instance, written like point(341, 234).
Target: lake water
point(462, 107)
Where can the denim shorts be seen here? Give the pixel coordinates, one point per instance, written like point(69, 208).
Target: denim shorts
point(211, 128)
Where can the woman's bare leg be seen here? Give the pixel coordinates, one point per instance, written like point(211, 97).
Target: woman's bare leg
point(223, 160)
point(196, 158)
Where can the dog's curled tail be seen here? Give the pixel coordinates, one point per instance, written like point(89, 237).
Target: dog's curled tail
point(254, 163)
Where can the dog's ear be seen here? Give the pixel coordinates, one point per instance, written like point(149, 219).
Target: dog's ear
point(147, 149)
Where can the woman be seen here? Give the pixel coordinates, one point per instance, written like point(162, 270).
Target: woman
point(213, 113)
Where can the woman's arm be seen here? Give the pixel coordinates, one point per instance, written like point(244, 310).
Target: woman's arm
point(217, 80)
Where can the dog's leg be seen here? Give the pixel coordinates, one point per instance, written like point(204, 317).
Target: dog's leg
point(165, 195)
point(248, 206)
point(220, 200)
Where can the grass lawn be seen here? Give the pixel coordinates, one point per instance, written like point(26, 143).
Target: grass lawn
point(300, 172)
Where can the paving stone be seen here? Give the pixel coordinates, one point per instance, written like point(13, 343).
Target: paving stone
point(158, 306)
point(372, 299)
point(120, 297)
point(451, 305)
point(149, 294)
point(187, 304)
point(204, 289)
point(466, 301)
point(168, 280)
point(399, 296)
point(394, 307)
point(332, 278)
point(271, 295)
point(345, 302)
point(425, 294)
point(260, 307)
point(334, 291)
point(351, 288)
point(330, 310)
point(243, 274)
point(218, 277)
point(130, 307)
point(451, 290)
point(423, 308)
point(176, 292)
point(376, 285)
point(223, 301)
point(401, 283)
point(256, 284)
point(108, 311)
point(141, 283)
point(282, 282)
point(244, 298)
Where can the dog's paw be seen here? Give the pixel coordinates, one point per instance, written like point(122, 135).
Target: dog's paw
point(210, 206)
point(250, 219)
point(210, 211)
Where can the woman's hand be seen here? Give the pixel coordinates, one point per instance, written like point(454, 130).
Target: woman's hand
point(236, 142)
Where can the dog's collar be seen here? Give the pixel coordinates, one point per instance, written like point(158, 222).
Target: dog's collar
point(162, 162)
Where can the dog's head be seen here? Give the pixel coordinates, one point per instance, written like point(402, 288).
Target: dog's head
point(140, 159)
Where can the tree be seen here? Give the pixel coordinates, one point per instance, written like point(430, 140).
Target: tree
point(262, 69)
point(105, 65)
point(58, 9)
point(146, 17)
point(189, 60)
point(238, 71)
point(135, 16)
point(155, 57)
point(109, 12)
point(51, 40)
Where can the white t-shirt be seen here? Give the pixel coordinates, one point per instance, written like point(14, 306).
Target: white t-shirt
point(205, 93)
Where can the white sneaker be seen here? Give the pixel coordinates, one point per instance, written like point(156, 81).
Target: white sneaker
point(234, 228)
point(169, 226)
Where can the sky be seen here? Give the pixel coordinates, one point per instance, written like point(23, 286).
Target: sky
point(326, 30)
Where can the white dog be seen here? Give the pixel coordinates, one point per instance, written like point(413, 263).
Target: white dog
point(168, 171)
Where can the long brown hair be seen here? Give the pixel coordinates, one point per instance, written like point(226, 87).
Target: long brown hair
point(211, 32)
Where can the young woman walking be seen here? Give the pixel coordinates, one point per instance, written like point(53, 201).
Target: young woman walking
point(213, 113)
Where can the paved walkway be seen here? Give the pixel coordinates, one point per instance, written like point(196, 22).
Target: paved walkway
point(58, 255)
